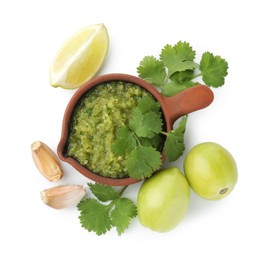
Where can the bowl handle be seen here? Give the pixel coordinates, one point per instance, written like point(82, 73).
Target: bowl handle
point(188, 101)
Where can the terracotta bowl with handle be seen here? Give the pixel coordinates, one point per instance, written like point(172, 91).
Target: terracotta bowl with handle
point(183, 103)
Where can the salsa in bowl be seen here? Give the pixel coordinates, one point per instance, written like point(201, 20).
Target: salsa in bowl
point(104, 105)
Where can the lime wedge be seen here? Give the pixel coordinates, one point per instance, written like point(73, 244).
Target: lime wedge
point(80, 58)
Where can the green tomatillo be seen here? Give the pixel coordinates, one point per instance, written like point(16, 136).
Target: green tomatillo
point(163, 200)
point(211, 170)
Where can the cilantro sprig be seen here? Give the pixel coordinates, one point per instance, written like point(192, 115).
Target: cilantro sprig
point(107, 210)
point(140, 140)
point(176, 69)
point(174, 145)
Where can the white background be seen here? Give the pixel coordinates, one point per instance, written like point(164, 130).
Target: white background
point(240, 118)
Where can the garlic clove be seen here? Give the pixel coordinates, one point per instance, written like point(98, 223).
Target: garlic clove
point(63, 196)
point(46, 161)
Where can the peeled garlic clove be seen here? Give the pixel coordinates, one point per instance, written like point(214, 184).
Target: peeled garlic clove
point(63, 196)
point(46, 161)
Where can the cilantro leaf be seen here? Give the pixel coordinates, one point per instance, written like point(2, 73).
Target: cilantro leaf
point(143, 161)
point(94, 216)
point(154, 141)
point(152, 70)
point(174, 87)
point(184, 51)
point(122, 214)
point(135, 119)
point(146, 120)
point(103, 192)
point(125, 142)
point(147, 104)
point(178, 58)
point(213, 69)
point(150, 125)
point(181, 76)
point(174, 144)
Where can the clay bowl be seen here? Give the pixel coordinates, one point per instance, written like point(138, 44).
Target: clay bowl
point(185, 102)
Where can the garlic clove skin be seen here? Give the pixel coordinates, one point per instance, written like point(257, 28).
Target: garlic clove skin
point(46, 161)
point(63, 196)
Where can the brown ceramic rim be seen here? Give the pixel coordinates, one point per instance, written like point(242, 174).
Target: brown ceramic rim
point(187, 101)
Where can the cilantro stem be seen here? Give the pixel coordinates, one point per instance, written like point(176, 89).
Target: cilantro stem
point(164, 133)
point(122, 190)
point(198, 75)
point(137, 139)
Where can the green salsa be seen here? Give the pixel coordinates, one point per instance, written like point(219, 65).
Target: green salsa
point(97, 117)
